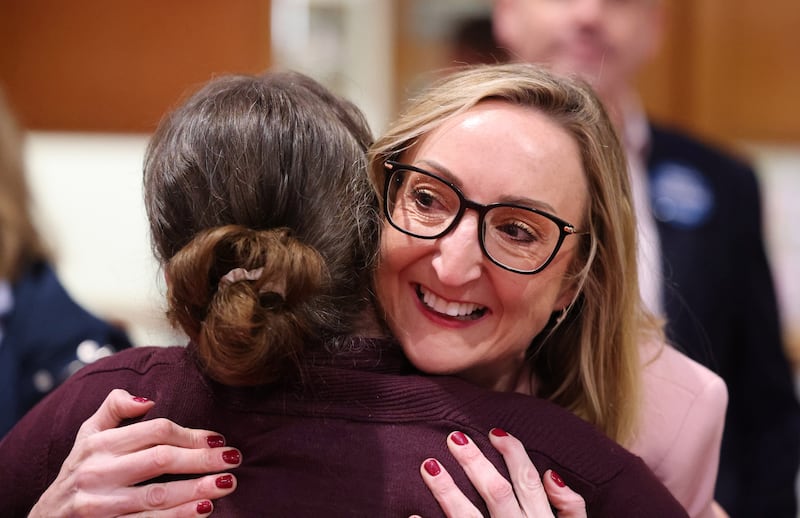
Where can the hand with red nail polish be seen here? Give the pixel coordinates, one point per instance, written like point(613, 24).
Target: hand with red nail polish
point(108, 460)
point(526, 495)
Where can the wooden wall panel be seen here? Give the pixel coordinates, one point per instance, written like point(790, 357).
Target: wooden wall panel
point(95, 65)
point(730, 69)
point(748, 78)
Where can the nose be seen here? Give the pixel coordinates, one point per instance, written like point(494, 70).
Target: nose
point(459, 259)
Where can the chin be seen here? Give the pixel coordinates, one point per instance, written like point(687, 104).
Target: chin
point(423, 360)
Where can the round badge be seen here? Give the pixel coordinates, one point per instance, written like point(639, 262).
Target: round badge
point(680, 195)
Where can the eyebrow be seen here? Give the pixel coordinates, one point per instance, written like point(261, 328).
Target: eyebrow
point(448, 175)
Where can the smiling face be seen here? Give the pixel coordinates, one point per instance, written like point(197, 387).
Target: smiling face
point(453, 310)
point(604, 41)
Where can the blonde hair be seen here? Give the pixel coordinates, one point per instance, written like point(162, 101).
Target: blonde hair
point(20, 243)
point(585, 360)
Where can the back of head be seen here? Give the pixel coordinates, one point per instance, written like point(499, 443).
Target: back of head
point(262, 215)
point(19, 240)
point(589, 362)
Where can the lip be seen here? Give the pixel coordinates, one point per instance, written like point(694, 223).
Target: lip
point(441, 319)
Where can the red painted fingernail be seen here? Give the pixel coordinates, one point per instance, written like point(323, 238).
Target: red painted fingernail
point(215, 441)
point(140, 399)
point(204, 507)
point(231, 457)
point(432, 467)
point(557, 479)
point(224, 482)
point(498, 432)
point(459, 438)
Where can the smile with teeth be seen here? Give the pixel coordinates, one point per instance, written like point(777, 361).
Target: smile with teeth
point(459, 310)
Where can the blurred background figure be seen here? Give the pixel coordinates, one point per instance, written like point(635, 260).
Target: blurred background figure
point(44, 335)
point(703, 264)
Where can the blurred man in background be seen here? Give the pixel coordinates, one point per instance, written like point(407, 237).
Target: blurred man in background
point(702, 258)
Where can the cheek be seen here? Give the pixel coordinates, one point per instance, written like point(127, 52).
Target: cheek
point(397, 253)
point(394, 254)
point(533, 299)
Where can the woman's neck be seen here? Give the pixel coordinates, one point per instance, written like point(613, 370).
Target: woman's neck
point(527, 383)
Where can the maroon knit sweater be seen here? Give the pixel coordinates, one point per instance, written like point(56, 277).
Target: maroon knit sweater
point(348, 441)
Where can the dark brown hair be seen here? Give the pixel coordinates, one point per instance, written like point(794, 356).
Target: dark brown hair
point(264, 172)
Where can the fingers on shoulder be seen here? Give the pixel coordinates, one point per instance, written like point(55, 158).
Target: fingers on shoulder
point(121, 404)
point(451, 499)
point(523, 472)
point(166, 432)
point(569, 503)
point(118, 405)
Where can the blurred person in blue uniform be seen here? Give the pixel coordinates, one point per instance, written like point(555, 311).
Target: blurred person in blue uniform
point(44, 335)
point(701, 239)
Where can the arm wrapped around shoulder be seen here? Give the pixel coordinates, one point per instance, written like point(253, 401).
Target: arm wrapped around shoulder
point(247, 298)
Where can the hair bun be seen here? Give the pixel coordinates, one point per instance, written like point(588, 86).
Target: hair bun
point(252, 314)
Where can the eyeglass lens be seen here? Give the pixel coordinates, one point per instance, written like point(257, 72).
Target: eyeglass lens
point(424, 206)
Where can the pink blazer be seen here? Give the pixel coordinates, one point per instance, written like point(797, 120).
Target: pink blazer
point(681, 423)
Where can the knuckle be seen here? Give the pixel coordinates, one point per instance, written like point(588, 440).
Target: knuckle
point(83, 506)
point(116, 394)
point(529, 481)
point(442, 489)
point(211, 459)
point(91, 444)
point(162, 429)
point(510, 445)
point(516, 445)
point(470, 454)
point(203, 487)
point(499, 489)
point(161, 457)
point(84, 476)
point(114, 400)
point(155, 496)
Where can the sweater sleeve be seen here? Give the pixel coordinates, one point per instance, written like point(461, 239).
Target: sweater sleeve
point(32, 452)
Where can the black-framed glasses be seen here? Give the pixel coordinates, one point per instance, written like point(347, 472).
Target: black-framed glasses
point(515, 237)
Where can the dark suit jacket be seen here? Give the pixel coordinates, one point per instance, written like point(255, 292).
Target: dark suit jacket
point(41, 335)
point(722, 311)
